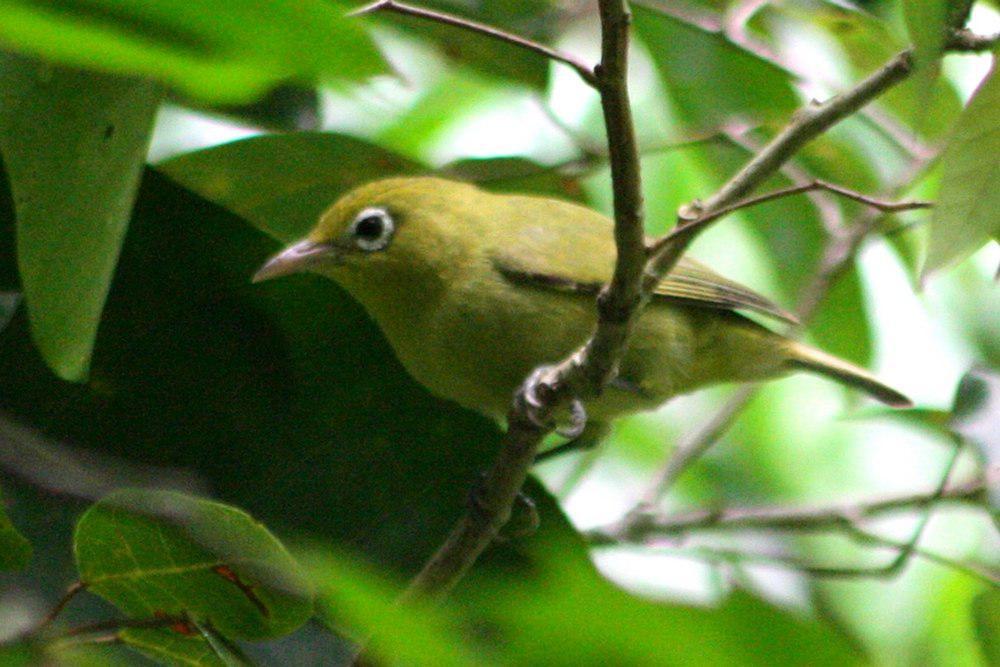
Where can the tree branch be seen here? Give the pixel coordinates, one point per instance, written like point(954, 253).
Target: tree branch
point(583, 69)
point(585, 372)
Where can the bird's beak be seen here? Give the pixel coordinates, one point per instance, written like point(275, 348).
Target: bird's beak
point(294, 259)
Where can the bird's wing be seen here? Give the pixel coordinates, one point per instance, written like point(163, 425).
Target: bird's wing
point(558, 255)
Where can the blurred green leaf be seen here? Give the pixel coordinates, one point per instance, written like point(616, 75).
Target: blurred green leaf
point(743, 86)
point(515, 174)
point(73, 145)
point(967, 213)
point(15, 550)
point(162, 553)
point(9, 302)
point(359, 602)
point(22, 654)
point(282, 183)
point(536, 20)
point(926, 21)
point(538, 602)
point(986, 616)
point(225, 51)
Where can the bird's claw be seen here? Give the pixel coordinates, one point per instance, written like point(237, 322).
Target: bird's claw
point(577, 421)
point(534, 406)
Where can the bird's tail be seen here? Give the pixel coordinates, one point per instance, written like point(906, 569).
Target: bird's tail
point(817, 361)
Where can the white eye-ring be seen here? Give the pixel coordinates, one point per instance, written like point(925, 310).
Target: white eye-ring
point(372, 229)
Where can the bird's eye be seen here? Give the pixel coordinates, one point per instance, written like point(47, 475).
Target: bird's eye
point(372, 229)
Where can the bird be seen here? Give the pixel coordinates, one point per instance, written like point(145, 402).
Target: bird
point(475, 289)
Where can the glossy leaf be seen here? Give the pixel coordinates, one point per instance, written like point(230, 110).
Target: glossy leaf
point(158, 553)
point(967, 213)
point(224, 51)
point(73, 145)
point(15, 550)
point(743, 85)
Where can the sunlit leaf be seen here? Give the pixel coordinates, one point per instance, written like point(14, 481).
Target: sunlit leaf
point(73, 145)
point(967, 213)
point(15, 550)
point(170, 555)
point(214, 50)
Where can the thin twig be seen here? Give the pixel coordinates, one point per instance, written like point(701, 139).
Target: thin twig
point(71, 592)
point(650, 524)
point(705, 219)
point(118, 624)
point(583, 69)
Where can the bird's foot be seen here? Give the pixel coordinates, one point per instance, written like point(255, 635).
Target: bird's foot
point(533, 403)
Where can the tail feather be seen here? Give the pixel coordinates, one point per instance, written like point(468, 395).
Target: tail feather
point(817, 361)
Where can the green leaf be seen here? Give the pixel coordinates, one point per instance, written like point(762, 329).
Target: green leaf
point(926, 21)
point(355, 600)
point(159, 553)
point(533, 19)
point(743, 85)
point(537, 594)
point(225, 51)
point(986, 615)
point(15, 550)
point(186, 645)
point(22, 654)
point(967, 213)
point(73, 145)
point(282, 183)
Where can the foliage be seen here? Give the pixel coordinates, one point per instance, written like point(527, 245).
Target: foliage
point(142, 377)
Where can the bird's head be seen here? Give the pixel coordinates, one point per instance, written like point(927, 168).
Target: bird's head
point(385, 233)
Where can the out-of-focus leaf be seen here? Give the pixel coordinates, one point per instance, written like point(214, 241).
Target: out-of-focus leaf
point(160, 553)
point(538, 603)
point(974, 417)
point(282, 183)
point(73, 145)
point(967, 213)
point(225, 51)
point(284, 108)
point(986, 615)
point(514, 174)
point(926, 21)
point(868, 42)
point(354, 600)
point(742, 85)
point(534, 19)
point(15, 550)
point(22, 654)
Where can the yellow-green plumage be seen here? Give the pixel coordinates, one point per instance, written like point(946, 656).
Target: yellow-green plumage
point(474, 290)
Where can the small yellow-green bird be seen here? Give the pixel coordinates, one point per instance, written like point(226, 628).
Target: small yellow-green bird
point(474, 290)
